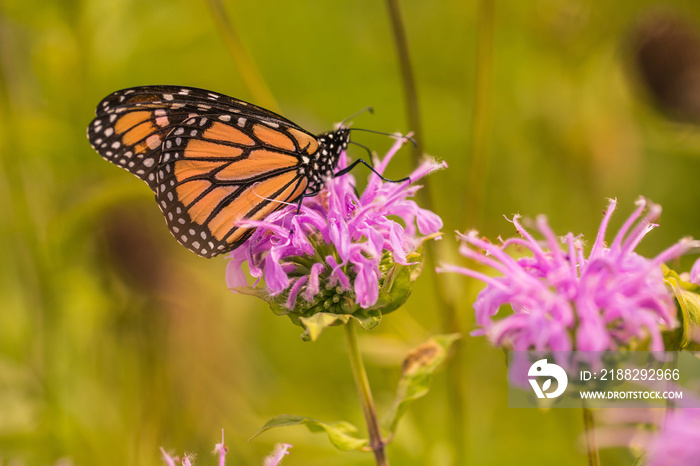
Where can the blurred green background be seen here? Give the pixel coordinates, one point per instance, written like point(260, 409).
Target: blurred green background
point(114, 340)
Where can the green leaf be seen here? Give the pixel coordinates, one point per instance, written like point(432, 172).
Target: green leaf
point(688, 300)
point(348, 305)
point(367, 318)
point(250, 291)
point(398, 284)
point(341, 433)
point(317, 323)
point(416, 376)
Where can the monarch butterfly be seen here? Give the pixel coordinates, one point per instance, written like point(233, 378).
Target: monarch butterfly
point(213, 160)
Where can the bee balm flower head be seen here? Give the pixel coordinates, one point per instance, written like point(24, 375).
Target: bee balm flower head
point(564, 300)
point(344, 253)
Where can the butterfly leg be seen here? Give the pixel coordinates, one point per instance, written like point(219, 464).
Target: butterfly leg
point(358, 161)
point(304, 196)
point(301, 199)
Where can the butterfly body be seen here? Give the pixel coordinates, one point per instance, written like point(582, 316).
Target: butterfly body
point(212, 160)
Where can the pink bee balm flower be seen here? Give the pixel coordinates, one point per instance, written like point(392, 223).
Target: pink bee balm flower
point(273, 459)
point(695, 273)
point(563, 300)
point(281, 450)
point(678, 441)
point(334, 255)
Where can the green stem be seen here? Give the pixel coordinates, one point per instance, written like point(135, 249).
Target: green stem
point(481, 125)
point(376, 442)
point(409, 84)
point(414, 121)
point(450, 320)
point(591, 442)
point(244, 62)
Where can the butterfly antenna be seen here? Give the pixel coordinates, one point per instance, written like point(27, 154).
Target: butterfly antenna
point(395, 136)
point(366, 109)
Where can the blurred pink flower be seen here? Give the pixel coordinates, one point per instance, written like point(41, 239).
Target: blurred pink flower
point(274, 459)
point(562, 300)
point(678, 441)
point(187, 459)
point(695, 273)
point(280, 451)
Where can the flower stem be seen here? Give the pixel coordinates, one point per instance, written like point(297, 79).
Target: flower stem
point(358, 370)
point(591, 442)
point(244, 62)
point(450, 319)
point(481, 125)
point(409, 84)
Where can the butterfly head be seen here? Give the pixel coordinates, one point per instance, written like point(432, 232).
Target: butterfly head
point(330, 146)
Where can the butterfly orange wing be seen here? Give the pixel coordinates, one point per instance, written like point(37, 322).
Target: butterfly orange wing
point(211, 160)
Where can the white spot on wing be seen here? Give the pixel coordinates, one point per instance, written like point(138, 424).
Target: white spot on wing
point(153, 141)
